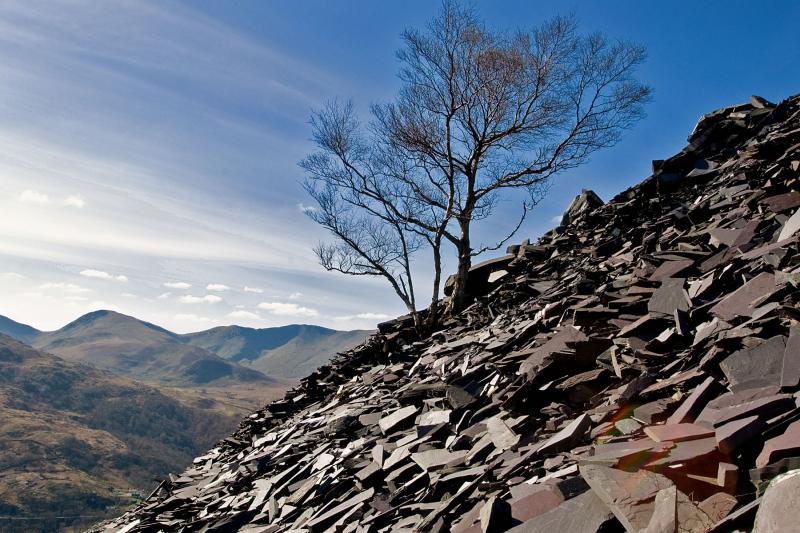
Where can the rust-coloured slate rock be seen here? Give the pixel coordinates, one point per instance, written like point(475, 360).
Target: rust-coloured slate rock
point(785, 445)
point(733, 434)
point(677, 432)
point(694, 403)
point(759, 366)
point(778, 510)
point(629, 495)
point(585, 512)
point(739, 303)
point(790, 367)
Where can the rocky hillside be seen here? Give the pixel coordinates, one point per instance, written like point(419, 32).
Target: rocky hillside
point(636, 369)
point(78, 442)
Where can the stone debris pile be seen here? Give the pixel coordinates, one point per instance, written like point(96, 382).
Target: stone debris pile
point(635, 369)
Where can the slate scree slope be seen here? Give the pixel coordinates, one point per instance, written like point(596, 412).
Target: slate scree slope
point(636, 369)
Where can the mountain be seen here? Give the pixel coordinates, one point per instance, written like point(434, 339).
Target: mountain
point(21, 332)
point(79, 441)
point(635, 369)
point(139, 350)
point(216, 357)
point(292, 351)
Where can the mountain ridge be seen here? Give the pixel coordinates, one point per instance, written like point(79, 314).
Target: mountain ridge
point(136, 348)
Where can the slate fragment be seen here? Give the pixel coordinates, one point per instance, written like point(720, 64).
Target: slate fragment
point(759, 366)
point(629, 495)
point(778, 509)
point(583, 513)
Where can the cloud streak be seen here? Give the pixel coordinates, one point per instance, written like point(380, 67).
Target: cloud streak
point(101, 274)
point(287, 309)
point(207, 299)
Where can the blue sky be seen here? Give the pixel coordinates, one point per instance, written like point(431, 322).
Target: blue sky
point(148, 150)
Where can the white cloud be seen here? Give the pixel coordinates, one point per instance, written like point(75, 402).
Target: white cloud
point(207, 299)
point(363, 316)
point(217, 287)
point(129, 295)
point(100, 304)
point(76, 298)
point(244, 315)
point(66, 287)
point(100, 274)
point(11, 275)
point(75, 201)
point(177, 285)
point(253, 289)
point(164, 296)
point(306, 208)
point(33, 197)
point(295, 295)
point(284, 309)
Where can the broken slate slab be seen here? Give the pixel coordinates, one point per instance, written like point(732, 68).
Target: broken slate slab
point(495, 516)
point(786, 445)
point(677, 432)
point(668, 298)
point(540, 499)
point(585, 512)
point(733, 434)
point(502, 436)
point(694, 404)
point(759, 366)
point(629, 495)
point(738, 303)
point(790, 367)
point(431, 459)
point(567, 438)
point(397, 418)
point(778, 509)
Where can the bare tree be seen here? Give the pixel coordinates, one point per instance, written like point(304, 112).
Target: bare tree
point(481, 113)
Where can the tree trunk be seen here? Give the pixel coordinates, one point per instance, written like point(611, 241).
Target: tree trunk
point(460, 297)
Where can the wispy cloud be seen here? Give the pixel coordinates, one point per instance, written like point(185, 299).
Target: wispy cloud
point(66, 287)
point(129, 295)
point(80, 191)
point(244, 315)
point(288, 309)
point(362, 316)
point(177, 285)
point(295, 295)
point(101, 274)
point(207, 299)
point(217, 287)
point(30, 196)
point(11, 276)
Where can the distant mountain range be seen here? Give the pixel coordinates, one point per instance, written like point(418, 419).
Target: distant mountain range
point(288, 352)
point(77, 441)
point(217, 357)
